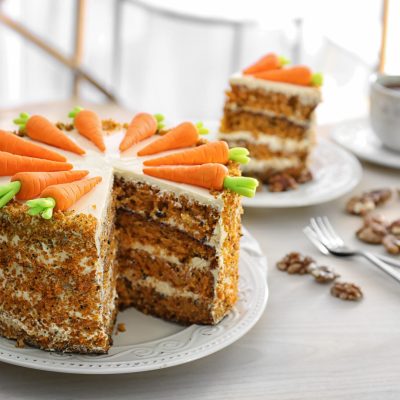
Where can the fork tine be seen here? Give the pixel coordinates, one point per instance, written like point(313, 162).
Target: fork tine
point(321, 235)
point(322, 226)
point(312, 236)
point(335, 237)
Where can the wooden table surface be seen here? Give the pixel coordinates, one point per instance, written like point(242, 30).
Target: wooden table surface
point(307, 345)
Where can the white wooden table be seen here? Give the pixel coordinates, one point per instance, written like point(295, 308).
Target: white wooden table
point(308, 345)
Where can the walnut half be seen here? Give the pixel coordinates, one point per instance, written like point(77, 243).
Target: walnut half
point(346, 291)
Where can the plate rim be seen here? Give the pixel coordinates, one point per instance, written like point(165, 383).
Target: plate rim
point(200, 351)
point(358, 173)
point(335, 135)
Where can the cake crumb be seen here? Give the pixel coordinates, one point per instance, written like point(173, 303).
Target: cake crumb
point(20, 343)
point(94, 206)
point(121, 327)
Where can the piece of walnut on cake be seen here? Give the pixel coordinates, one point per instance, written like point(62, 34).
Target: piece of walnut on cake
point(270, 109)
point(57, 276)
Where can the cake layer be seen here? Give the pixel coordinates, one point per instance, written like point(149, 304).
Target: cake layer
point(181, 211)
point(148, 248)
point(240, 120)
point(262, 99)
point(159, 300)
point(57, 279)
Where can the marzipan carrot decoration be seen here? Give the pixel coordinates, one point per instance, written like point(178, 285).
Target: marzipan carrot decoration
point(28, 185)
point(183, 135)
point(215, 152)
point(209, 176)
point(88, 124)
point(142, 126)
point(60, 197)
point(10, 164)
point(41, 129)
point(298, 75)
point(266, 63)
point(15, 145)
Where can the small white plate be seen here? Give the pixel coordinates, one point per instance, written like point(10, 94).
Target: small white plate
point(335, 171)
point(358, 137)
point(150, 343)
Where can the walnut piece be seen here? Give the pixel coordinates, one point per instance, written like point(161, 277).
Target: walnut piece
point(281, 183)
point(323, 274)
point(394, 228)
point(368, 201)
point(392, 244)
point(305, 176)
point(346, 291)
point(295, 263)
point(374, 229)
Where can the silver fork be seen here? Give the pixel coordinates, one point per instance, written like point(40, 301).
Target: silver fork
point(325, 235)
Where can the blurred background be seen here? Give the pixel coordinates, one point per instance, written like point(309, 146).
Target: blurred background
point(175, 56)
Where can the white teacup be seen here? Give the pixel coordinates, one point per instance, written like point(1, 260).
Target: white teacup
point(385, 109)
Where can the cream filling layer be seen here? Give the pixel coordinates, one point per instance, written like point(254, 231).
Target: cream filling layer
point(274, 163)
point(274, 143)
point(193, 263)
point(307, 95)
point(165, 288)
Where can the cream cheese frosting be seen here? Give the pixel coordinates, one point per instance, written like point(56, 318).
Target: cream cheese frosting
point(126, 164)
point(306, 94)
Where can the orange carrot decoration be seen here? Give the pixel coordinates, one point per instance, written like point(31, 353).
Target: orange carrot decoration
point(60, 197)
point(42, 130)
point(28, 185)
point(267, 63)
point(10, 164)
point(142, 126)
point(88, 124)
point(215, 152)
point(13, 144)
point(183, 135)
point(209, 176)
point(298, 75)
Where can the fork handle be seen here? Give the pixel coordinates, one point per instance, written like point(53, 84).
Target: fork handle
point(382, 265)
point(389, 260)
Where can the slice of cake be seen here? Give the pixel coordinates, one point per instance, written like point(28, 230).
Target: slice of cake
point(271, 112)
point(178, 248)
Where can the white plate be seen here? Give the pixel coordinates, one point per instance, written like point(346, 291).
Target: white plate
point(150, 343)
point(336, 172)
point(358, 137)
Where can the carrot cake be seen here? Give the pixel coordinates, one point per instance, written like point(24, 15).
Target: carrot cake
point(271, 111)
point(164, 246)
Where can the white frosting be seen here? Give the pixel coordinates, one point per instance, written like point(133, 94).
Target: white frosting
point(195, 262)
point(307, 95)
point(275, 143)
point(275, 163)
point(126, 164)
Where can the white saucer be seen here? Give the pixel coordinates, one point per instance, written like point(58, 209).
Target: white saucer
point(150, 343)
point(336, 172)
point(358, 137)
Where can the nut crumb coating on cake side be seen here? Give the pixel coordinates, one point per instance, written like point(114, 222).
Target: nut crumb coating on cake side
point(57, 280)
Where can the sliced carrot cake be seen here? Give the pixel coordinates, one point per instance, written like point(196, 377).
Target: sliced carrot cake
point(270, 109)
point(99, 216)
